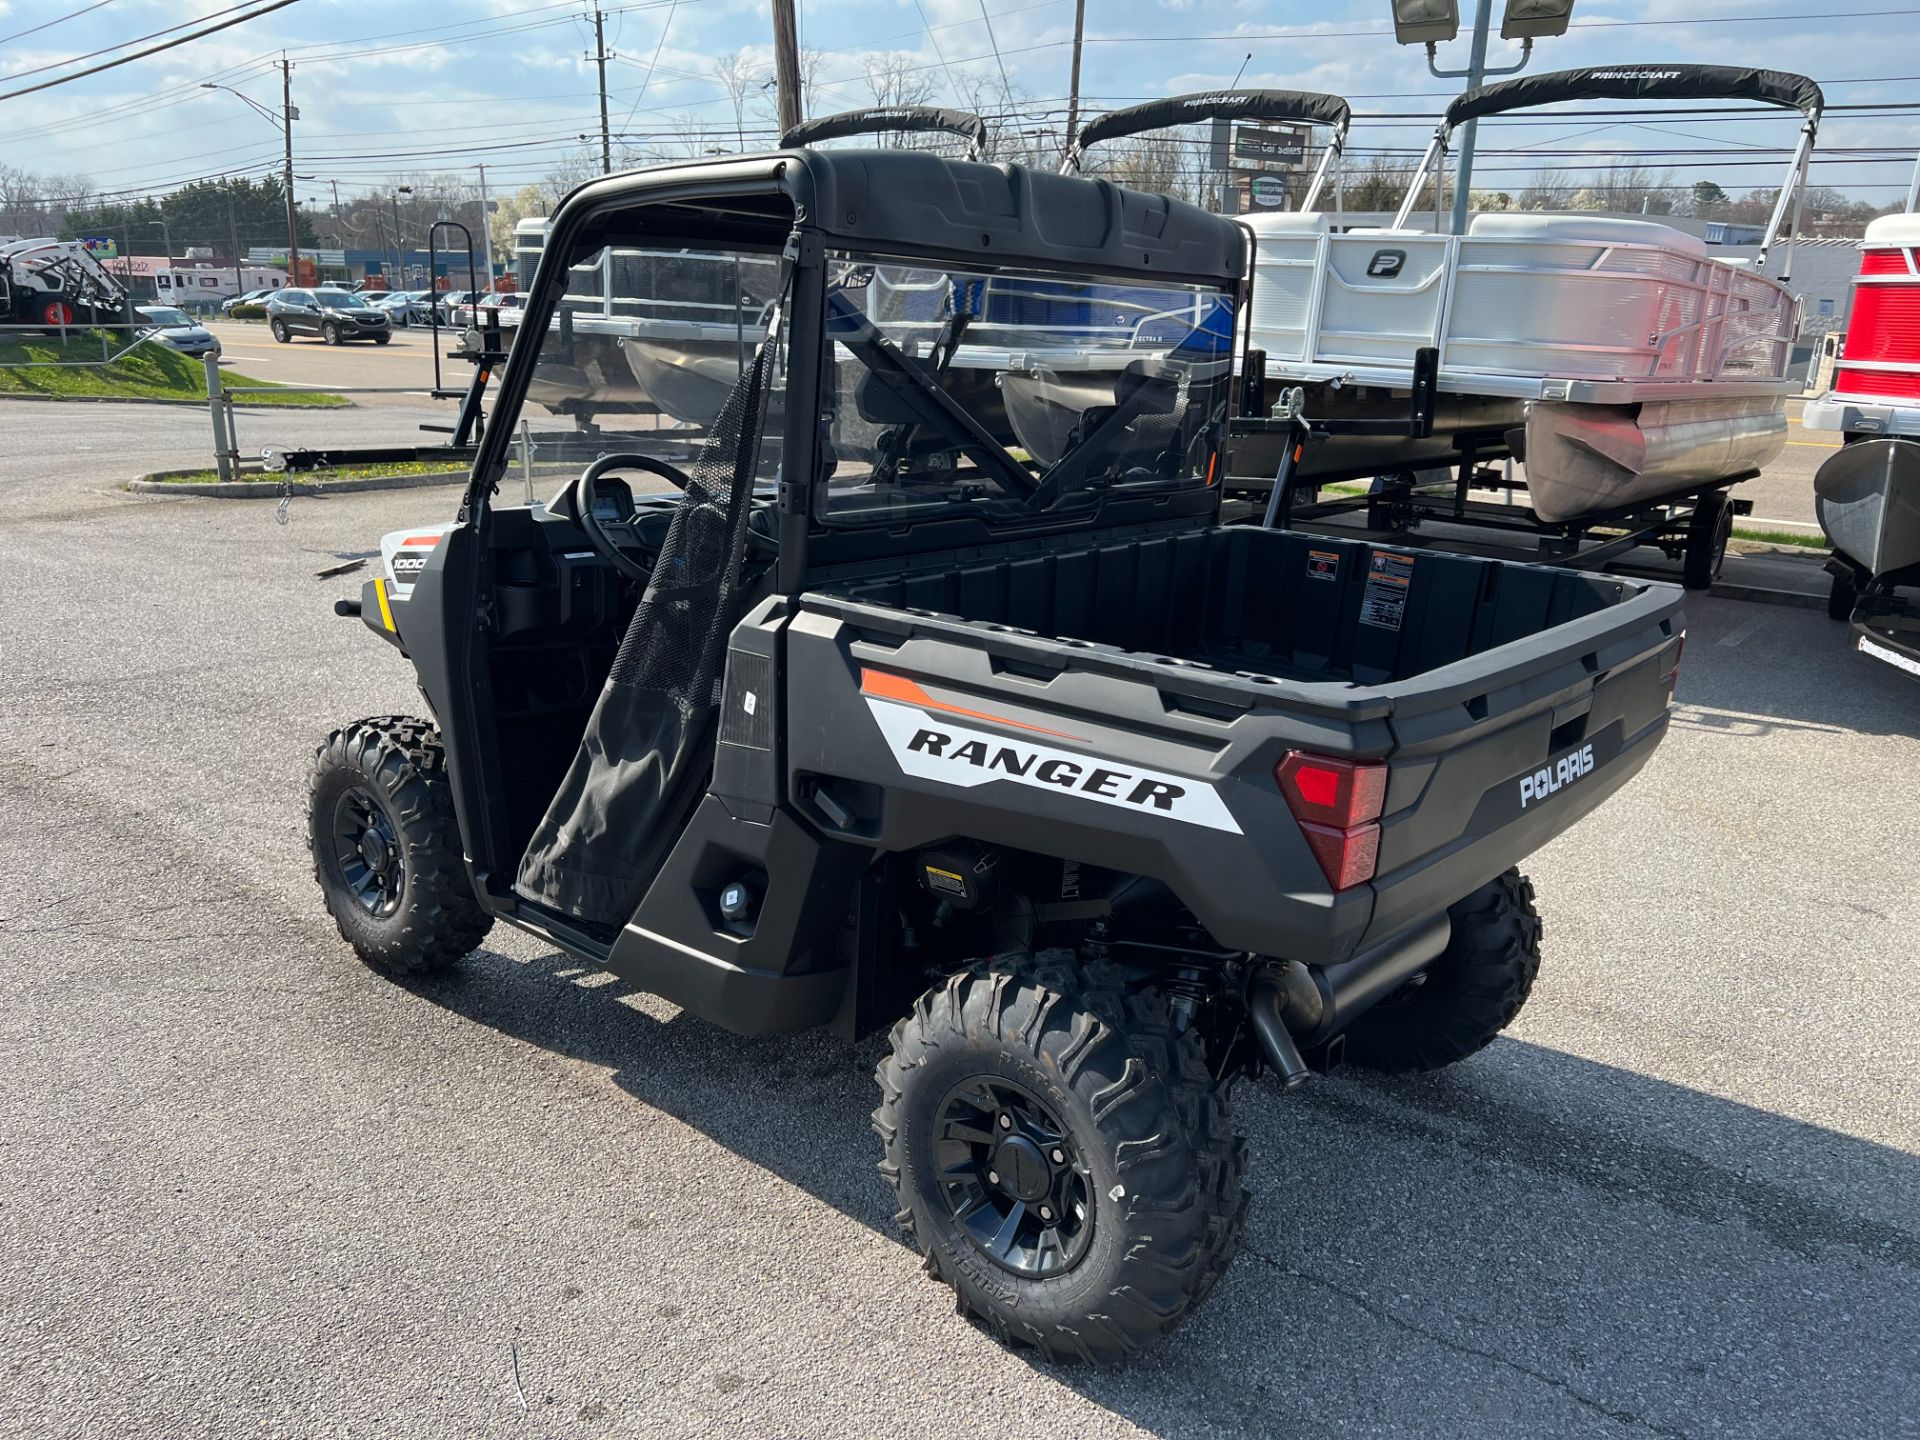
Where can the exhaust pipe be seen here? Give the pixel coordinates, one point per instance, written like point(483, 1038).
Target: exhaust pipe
point(1291, 1005)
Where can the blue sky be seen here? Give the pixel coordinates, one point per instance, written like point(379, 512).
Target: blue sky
point(388, 89)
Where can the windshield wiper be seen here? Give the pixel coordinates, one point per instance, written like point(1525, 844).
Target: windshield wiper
point(921, 393)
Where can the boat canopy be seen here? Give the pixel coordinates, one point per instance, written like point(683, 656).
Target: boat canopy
point(1640, 82)
point(1658, 81)
point(878, 118)
point(1305, 106)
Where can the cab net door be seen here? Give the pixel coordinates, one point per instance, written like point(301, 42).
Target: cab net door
point(648, 745)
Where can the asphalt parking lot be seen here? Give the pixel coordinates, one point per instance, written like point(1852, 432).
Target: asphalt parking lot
point(249, 1187)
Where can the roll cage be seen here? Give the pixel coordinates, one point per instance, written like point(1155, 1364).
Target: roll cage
point(910, 205)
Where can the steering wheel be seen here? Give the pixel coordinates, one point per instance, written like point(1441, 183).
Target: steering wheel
point(603, 544)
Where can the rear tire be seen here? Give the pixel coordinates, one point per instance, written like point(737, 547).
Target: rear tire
point(279, 329)
point(1021, 1059)
point(1708, 532)
point(386, 846)
point(1467, 996)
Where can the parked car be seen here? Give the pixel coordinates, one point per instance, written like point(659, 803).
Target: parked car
point(250, 306)
point(336, 316)
point(374, 297)
point(177, 330)
point(508, 304)
point(408, 307)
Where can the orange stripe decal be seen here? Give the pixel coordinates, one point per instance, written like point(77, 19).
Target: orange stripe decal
point(883, 685)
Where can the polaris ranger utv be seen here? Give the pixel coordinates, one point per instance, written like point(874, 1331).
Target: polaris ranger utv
point(864, 719)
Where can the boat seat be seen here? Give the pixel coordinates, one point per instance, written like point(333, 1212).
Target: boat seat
point(1894, 230)
point(1549, 228)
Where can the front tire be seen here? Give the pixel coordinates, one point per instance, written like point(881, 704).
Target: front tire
point(382, 339)
point(386, 846)
point(1472, 992)
point(330, 332)
point(1060, 1154)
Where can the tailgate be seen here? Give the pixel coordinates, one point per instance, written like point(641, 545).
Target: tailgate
point(1498, 754)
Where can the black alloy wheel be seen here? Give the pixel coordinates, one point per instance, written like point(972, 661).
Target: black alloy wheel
point(1012, 1179)
point(386, 846)
point(366, 847)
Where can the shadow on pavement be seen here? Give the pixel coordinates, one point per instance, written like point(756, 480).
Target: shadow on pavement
point(1532, 1231)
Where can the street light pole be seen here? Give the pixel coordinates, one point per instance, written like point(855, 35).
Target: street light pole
point(399, 248)
point(289, 113)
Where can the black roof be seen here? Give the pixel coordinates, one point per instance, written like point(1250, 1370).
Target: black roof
point(913, 203)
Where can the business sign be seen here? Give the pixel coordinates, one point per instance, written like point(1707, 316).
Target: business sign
point(1265, 146)
point(1267, 192)
point(101, 247)
point(276, 256)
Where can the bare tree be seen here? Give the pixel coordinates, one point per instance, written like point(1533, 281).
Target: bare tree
point(1381, 185)
point(894, 79)
point(740, 77)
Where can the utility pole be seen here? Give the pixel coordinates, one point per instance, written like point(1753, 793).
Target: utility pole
point(600, 59)
point(786, 65)
point(233, 232)
point(287, 114)
point(1073, 81)
point(486, 232)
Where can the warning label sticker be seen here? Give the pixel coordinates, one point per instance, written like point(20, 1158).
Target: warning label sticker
point(1323, 564)
point(1389, 577)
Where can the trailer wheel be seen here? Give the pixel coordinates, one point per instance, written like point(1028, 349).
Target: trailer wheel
point(1708, 531)
point(1842, 596)
point(386, 846)
point(1060, 1154)
point(1467, 996)
point(279, 329)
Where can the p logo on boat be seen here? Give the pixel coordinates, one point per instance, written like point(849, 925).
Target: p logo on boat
point(1386, 264)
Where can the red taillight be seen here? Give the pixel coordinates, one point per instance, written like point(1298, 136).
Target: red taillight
point(1334, 792)
point(1337, 803)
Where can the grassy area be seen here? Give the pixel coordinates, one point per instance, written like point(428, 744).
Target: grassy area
point(1805, 539)
point(384, 471)
point(147, 372)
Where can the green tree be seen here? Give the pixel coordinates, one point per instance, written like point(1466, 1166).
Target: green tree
point(207, 212)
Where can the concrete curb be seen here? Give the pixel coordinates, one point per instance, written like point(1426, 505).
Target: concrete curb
point(152, 483)
point(176, 404)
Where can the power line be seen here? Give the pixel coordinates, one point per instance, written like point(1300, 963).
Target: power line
point(119, 44)
point(49, 24)
point(151, 50)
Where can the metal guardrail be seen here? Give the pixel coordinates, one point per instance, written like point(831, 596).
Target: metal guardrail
point(220, 403)
point(68, 334)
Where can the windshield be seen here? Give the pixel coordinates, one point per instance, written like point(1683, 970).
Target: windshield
point(1011, 394)
point(166, 315)
point(644, 355)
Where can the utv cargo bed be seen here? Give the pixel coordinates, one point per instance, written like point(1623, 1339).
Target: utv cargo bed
point(1212, 653)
